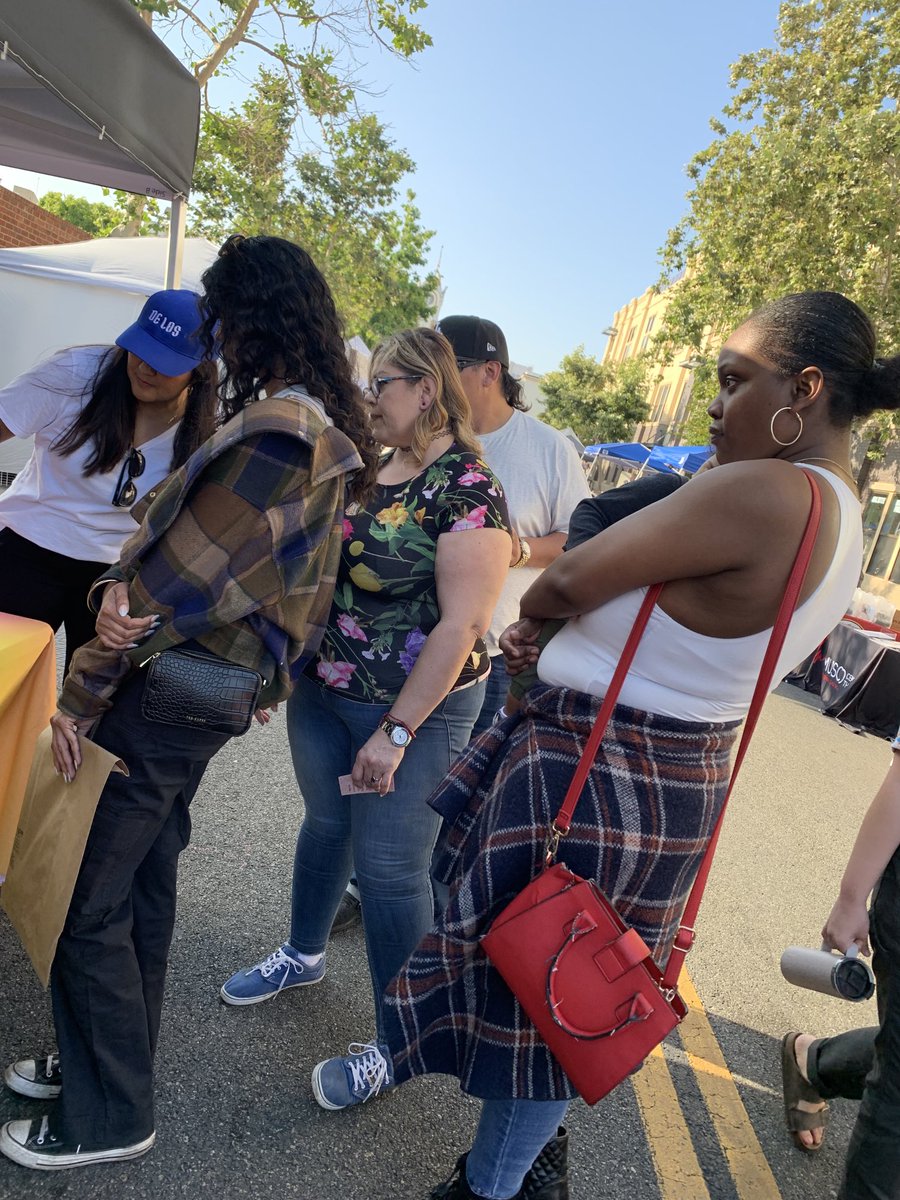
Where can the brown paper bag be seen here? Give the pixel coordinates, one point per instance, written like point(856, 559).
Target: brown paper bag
point(49, 846)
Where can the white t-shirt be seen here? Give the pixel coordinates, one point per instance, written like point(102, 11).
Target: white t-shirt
point(543, 481)
point(50, 502)
point(691, 676)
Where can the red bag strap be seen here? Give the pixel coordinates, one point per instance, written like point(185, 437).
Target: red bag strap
point(560, 826)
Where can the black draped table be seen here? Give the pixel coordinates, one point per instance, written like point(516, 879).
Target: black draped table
point(857, 674)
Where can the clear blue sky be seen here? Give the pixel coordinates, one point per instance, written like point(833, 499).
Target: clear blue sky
point(550, 143)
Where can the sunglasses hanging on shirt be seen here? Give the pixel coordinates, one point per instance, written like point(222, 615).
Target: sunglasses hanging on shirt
point(126, 492)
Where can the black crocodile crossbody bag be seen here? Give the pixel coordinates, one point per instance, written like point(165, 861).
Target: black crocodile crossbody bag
point(200, 691)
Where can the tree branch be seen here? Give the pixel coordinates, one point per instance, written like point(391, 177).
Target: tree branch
point(207, 67)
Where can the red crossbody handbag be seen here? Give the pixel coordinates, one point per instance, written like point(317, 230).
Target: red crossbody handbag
point(585, 978)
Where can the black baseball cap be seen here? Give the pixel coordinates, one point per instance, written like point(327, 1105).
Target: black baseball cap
point(475, 338)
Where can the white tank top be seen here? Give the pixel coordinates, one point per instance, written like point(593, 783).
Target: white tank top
point(679, 673)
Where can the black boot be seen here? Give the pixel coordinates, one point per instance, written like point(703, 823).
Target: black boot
point(457, 1186)
point(548, 1178)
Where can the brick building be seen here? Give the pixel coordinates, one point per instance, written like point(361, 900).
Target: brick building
point(24, 223)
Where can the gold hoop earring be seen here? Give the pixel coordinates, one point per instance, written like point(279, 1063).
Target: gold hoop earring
point(786, 408)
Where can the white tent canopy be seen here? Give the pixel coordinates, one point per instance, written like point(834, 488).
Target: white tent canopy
point(127, 264)
point(88, 92)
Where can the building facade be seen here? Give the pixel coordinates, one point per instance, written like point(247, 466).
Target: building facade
point(631, 333)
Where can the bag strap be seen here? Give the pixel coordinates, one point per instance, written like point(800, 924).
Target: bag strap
point(684, 938)
point(561, 824)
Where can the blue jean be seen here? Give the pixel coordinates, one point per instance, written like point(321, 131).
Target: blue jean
point(388, 838)
point(511, 1134)
point(494, 694)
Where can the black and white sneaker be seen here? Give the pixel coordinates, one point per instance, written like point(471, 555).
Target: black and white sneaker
point(34, 1144)
point(38, 1078)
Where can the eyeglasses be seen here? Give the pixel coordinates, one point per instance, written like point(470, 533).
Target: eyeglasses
point(381, 381)
point(462, 363)
point(126, 492)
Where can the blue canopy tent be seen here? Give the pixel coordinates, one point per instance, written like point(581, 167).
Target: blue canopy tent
point(634, 453)
point(679, 458)
point(654, 458)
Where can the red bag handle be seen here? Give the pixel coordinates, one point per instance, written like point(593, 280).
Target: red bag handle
point(560, 826)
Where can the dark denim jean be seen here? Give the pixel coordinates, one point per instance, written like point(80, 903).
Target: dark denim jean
point(389, 839)
point(866, 1062)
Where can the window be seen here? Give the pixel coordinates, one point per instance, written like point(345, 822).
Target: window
point(631, 333)
point(871, 520)
point(683, 401)
point(886, 538)
point(662, 395)
point(650, 321)
point(644, 340)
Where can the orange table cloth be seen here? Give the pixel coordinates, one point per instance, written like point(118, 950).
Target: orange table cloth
point(27, 701)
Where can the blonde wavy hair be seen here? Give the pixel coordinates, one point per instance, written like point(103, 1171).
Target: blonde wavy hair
point(426, 352)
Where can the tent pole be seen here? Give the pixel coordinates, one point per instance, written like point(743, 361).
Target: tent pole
point(177, 218)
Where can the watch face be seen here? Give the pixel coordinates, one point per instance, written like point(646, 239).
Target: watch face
point(399, 736)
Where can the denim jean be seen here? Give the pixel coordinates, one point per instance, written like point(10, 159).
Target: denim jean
point(511, 1134)
point(389, 839)
point(866, 1062)
point(494, 694)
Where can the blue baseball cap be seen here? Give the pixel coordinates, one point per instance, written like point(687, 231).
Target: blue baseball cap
point(165, 334)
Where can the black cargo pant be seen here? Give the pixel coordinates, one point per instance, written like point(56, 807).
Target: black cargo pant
point(866, 1062)
point(110, 966)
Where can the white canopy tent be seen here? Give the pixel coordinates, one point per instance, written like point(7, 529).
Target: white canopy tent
point(88, 92)
point(84, 292)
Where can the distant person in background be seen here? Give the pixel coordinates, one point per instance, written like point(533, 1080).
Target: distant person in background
point(537, 465)
point(109, 424)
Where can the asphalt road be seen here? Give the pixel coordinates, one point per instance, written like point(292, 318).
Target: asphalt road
point(235, 1114)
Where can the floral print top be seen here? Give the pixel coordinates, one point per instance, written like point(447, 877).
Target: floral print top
point(385, 603)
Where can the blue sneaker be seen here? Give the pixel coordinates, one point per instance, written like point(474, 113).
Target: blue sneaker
point(365, 1072)
point(283, 969)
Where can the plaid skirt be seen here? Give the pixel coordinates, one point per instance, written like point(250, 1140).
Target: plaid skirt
point(642, 823)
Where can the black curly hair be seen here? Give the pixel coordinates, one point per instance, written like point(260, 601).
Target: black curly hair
point(271, 312)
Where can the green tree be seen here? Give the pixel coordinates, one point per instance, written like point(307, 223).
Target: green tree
point(299, 157)
point(93, 216)
point(800, 188)
point(344, 206)
point(600, 403)
point(314, 44)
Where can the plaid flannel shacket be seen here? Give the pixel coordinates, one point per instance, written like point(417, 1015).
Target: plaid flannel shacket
point(238, 550)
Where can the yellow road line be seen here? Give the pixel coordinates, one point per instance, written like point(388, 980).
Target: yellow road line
point(668, 1138)
point(752, 1175)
